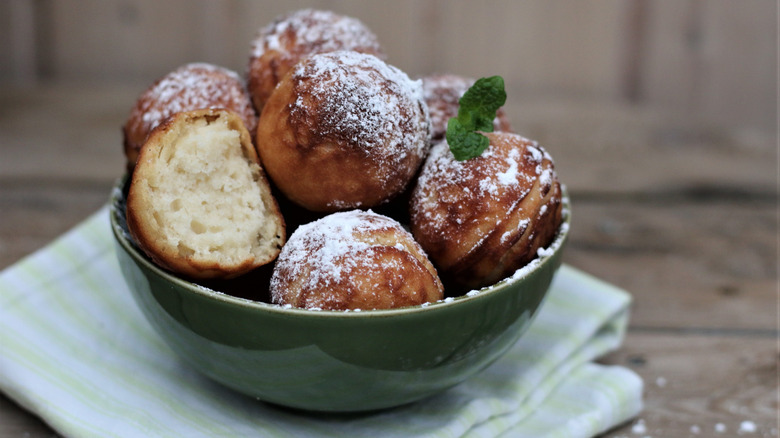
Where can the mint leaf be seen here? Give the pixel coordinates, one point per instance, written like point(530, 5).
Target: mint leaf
point(481, 102)
point(476, 112)
point(464, 144)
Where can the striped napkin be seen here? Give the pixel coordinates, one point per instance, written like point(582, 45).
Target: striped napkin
point(76, 351)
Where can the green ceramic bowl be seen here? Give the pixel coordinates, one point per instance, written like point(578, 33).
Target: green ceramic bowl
point(332, 360)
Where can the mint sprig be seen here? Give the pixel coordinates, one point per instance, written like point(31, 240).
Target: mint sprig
point(476, 112)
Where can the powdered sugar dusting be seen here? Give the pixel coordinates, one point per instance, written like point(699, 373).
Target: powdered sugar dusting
point(442, 93)
point(314, 31)
point(325, 252)
point(521, 225)
point(639, 427)
point(325, 243)
point(371, 105)
point(490, 175)
point(536, 154)
point(746, 427)
point(194, 86)
point(541, 253)
point(509, 176)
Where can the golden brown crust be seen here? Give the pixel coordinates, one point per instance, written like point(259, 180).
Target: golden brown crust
point(144, 201)
point(190, 87)
point(354, 260)
point(343, 130)
point(442, 93)
point(291, 37)
point(480, 220)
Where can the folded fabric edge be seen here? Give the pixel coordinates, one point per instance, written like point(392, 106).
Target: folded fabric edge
point(599, 339)
point(592, 400)
point(101, 215)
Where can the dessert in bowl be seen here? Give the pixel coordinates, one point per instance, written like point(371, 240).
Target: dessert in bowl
point(329, 256)
point(337, 361)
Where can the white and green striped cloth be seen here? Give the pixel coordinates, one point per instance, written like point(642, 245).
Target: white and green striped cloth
point(76, 351)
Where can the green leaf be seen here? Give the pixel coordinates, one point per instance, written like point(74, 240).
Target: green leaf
point(476, 112)
point(465, 144)
point(480, 103)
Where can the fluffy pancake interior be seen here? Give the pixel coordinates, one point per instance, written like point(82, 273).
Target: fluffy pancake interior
point(208, 199)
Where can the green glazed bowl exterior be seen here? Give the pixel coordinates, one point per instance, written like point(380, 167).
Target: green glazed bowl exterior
point(328, 360)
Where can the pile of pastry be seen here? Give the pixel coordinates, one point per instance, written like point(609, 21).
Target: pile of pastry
point(327, 142)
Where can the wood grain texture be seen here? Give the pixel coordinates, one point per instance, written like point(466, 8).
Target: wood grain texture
point(702, 265)
point(717, 58)
point(56, 133)
point(661, 117)
point(678, 210)
point(714, 57)
point(694, 383)
point(16, 422)
point(35, 213)
point(623, 149)
point(20, 51)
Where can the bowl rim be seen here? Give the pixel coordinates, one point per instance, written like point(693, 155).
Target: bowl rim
point(544, 257)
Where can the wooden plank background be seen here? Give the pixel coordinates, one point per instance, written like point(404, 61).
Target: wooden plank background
point(717, 58)
point(679, 212)
point(661, 116)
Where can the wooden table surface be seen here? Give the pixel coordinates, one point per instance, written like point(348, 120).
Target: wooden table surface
point(681, 213)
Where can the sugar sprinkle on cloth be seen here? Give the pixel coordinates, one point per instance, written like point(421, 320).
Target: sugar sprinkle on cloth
point(76, 351)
